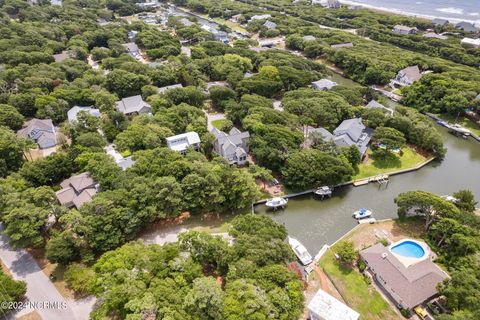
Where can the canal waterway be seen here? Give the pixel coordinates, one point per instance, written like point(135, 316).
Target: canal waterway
point(317, 222)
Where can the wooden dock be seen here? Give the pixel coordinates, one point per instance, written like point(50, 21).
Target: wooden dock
point(452, 129)
point(382, 179)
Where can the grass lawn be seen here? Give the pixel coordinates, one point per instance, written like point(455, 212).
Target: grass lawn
point(464, 122)
point(232, 25)
point(374, 167)
point(359, 295)
point(219, 123)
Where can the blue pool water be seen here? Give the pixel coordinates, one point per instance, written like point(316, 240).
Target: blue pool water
point(408, 249)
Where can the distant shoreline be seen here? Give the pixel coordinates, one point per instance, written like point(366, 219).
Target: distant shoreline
point(405, 13)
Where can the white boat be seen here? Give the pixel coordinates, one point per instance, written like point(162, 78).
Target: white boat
point(276, 203)
point(301, 252)
point(324, 191)
point(449, 198)
point(362, 213)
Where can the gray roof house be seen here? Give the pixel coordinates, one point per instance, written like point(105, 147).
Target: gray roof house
point(342, 45)
point(133, 105)
point(353, 132)
point(64, 55)
point(466, 26)
point(233, 146)
point(332, 4)
point(270, 25)
point(434, 35)
point(260, 17)
point(440, 22)
point(77, 190)
point(407, 284)
point(323, 85)
point(401, 29)
point(182, 142)
point(40, 131)
point(406, 77)
point(132, 34)
point(308, 38)
point(376, 105)
point(162, 90)
point(73, 112)
point(186, 22)
point(132, 49)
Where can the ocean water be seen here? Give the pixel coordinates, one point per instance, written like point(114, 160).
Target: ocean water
point(454, 10)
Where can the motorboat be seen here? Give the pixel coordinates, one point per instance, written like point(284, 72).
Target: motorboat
point(300, 251)
point(450, 198)
point(362, 213)
point(324, 191)
point(276, 203)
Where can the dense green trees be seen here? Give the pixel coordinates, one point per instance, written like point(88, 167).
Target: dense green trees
point(12, 291)
point(11, 150)
point(200, 277)
point(312, 168)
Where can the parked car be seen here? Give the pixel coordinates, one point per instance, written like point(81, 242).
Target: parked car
point(422, 313)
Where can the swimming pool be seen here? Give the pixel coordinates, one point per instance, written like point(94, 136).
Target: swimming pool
point(408, 249)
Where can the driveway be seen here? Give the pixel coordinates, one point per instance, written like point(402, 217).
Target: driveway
point(39, 288)
point(212, 117)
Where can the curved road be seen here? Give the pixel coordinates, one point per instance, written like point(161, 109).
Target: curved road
point(39, 288)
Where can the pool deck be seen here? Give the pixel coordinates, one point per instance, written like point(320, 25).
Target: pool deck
point(408, 261)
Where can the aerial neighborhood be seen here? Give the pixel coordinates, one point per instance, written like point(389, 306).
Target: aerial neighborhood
point(228, 159)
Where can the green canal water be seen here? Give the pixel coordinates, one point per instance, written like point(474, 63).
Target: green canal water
point(317, 222)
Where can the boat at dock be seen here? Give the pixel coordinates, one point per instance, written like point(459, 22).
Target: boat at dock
point(276, 203)
point(367, 220)
point(324, 191)
point(362, 213)
point(300, 251)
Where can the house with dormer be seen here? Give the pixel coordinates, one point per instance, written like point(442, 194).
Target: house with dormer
point(232, 146)
point(353, 132)
point(406, 77)
point(133, 106)
point(43, 133)
point(77, 190)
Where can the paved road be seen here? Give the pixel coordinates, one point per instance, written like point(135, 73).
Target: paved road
point(39, 288)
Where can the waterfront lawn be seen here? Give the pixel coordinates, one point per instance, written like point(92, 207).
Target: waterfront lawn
point(464, 122)
point(359, 295)
point(218, 123)
point(376, 166)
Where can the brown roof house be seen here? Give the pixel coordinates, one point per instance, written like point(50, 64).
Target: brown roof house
point(405, 271)
point(43, 133)
point(77, 190)
point(406, 77)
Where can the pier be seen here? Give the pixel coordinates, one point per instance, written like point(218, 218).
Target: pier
point(382, 179)
point(457, 130)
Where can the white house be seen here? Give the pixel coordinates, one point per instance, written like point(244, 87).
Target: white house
point(406, 77)
point(471, 42)
point(73, 113)
point(183, 141)
point(323, 85)
point(325, 307)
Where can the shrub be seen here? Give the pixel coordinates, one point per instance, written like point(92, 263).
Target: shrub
point(361, 265)
point(79, 277)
